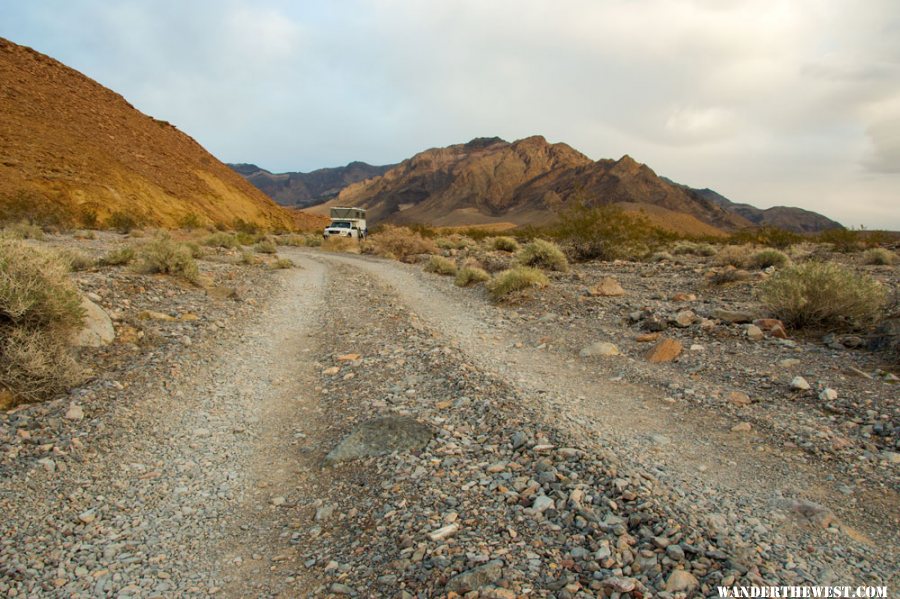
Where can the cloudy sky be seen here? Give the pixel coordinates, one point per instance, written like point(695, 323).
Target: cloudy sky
point(793, 102)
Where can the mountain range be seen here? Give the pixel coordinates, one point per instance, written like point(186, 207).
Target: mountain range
point(525, 182)
point(75, 152)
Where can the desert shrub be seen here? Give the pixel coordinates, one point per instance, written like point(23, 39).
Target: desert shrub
point(40, 309)
point(543, 254)
point(453, 242)
point(503, 244)
point(879, 257)
point(197, 252)
point(248, 227)
point(122, 222)
point(767, 236)
point(290, 240)
point(606, 233)
point(729, 275)
point(266, 246)
point(341, 244)
point(118, 257)
point(842, 240)
point(401, 243)
point(516, 279)
point(78, 261)
point(767, 258)
point(221, 239)
point(823, 294)
point(22, 230)
point(282, 263)
point(248, 258)
point(248, 238)
point(470, 275)
point(661, 257)
point(190, 221)
point(84, 235)
point(495, 261)
point(441, 266)
point(312, 241)
point(165, 256)
point(733, 255)
point(689, 247)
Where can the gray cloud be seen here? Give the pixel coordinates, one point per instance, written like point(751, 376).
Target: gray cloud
point(769, 102)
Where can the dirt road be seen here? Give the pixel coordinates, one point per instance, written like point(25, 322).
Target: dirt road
point(541, 479)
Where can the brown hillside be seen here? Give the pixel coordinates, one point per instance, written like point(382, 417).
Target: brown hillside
point(525, 182)
point(75, 152)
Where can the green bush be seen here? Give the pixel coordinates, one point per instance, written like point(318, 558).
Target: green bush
point(441, 266)
point(516, 279)
point(122, 222)
point(118, 257)
point(503, 244)
point(543, 254)
point(221, 239)
point(454, 242)
point(22, 230)
point(282, 263)
point(266, 246)
point(471, 275)
point(879, 257)
point(733, 255)
point(165, 256)
point(40, 310)
point(689, 247)
point(606, 233)
point(823, 294)
point(767, 258)
point(842, 240)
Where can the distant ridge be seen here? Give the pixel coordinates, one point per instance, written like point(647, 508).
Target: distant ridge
point(306, 189)
point(73, 151)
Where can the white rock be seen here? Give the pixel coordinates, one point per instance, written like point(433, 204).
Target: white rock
point(542, 503)
point(828, 394)
point(444, 532)
point(75, 412)
point(97, 329)
point(600, 348)
point(799, 383)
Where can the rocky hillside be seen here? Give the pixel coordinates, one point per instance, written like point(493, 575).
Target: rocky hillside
point(490, 180)
point(76, 152)
point(307, 189)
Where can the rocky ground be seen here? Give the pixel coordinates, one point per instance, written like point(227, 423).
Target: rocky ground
point(358, 427)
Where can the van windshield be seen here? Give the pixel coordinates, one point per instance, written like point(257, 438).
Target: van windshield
point(341, 224)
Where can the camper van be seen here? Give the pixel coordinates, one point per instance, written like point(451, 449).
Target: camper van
point(346, 222)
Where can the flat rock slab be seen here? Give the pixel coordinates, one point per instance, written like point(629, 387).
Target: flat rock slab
point(97, 329)
point(381, 436)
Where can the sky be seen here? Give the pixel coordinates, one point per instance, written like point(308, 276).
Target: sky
point(769, 102)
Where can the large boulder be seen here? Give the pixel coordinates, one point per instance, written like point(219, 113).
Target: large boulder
point(381, 436)
point(97, 329)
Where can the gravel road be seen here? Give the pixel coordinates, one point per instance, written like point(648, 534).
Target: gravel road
point(543, 477)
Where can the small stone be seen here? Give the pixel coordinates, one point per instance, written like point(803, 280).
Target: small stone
point(798, 383)
point(675, 553)
point(48, 464)
point(739, 399)
point(87, 517)
point(607, 287)
point(600, 348)
point(444, 532)
point(331, 371)
point(75, 412)
point(278, 501)
point(789, 362)
point(324, 512)
point(684, 297)
point(828, 394)
point(647, 337)
point(620, 584)
point(542, 503)
point(680, 581)
point(754, 333)
point(348, 358)
point(341, 589)
point(742, 427)
point(685, 318)
point(476, 578)
point(665, 350)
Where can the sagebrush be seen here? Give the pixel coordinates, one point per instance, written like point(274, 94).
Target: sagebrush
point(441, 266)
point(471, 275)
point(543, 254)
point(516, 279)
point(165, 256)
point(820, 294)
point(399, 243)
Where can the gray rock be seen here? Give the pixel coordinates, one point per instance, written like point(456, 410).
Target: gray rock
point(97, 328)
point(381, 436)
point(799, 383)
point(476, 578)
point(733, 316)
point(542, 503)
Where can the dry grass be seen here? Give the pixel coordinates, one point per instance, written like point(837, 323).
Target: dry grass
point(503, 244)
point(470, 275)
point(441, 266)
point(118, 257)
point(78, 261)
point(282, 263)
point(400, 243)
point(543, 254)
point(40, 309)
point(249, 259)
point(341, 244)
point(22, 230)
point(222, 240)
point(165, 256)
point(879, 257)
point(516, 279)
point(823, 294)
point(266, 246)
point(697, 249)
point(454, 241)
point(733, 255)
